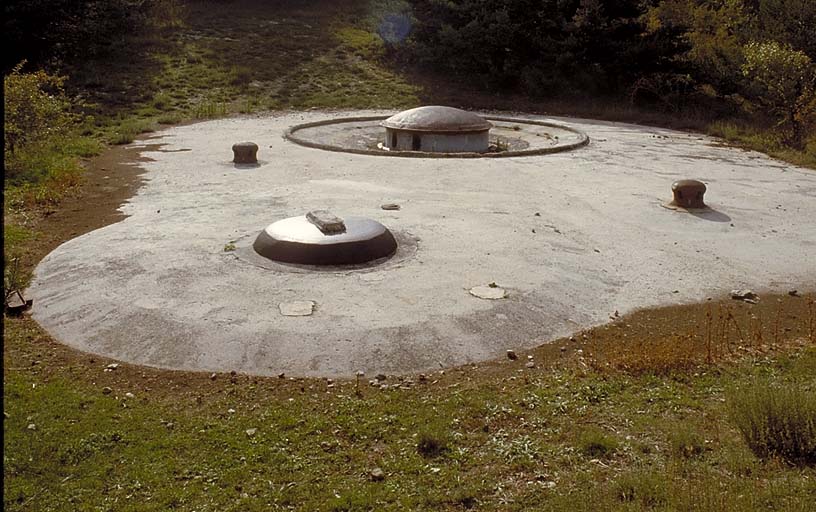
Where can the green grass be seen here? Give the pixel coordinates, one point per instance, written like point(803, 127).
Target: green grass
point(562, 439)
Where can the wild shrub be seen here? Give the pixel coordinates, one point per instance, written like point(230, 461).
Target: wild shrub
point(776, 421)
point(35, 110)
point(783, 80)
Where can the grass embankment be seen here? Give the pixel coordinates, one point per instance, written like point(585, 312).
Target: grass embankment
point(641, 414)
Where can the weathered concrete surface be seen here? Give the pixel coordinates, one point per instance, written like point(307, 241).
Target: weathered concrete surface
point(159, 288)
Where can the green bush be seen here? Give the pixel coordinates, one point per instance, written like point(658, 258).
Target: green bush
point(35, 109)
point(776, 421)
point(784, 81)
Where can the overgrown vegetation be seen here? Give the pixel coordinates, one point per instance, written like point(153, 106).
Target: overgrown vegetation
point(748, 62)
point(777, 421)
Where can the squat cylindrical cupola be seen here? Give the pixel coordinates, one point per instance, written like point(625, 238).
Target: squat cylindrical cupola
point(437, 129)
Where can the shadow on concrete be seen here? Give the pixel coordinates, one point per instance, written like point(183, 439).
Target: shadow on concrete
point(712, 215)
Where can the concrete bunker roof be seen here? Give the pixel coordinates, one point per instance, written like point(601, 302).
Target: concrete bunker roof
point(436, 119)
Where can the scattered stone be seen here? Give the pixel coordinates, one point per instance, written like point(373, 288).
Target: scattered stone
point(111, 367)
point(537, 214)
point(281, 375)
point(213, 376)
point(377, 475)
point(489, 292)
point(390, 206)
point(32, 426)
point(423, 377)
point(251, 431)
point(511, 355)
point(106, 390)
point(130, 395)
point(297, 308)
point(530, 364)
point(563, 348)
point(745, 296)
point(231, 411)
point(794, 293)
point(384, 387)
point(548, 485)
point(380, 376)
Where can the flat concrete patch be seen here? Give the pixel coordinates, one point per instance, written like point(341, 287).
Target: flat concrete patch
point(571, 236)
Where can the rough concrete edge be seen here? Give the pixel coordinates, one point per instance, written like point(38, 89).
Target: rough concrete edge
point(289, 135)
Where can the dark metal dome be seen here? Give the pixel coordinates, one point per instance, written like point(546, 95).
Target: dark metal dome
point(436, 119)
point(306, 240)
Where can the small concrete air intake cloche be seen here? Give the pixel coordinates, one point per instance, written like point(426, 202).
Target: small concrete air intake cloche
point(438, 130)
point(321, 238)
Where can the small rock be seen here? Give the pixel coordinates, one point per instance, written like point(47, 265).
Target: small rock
point(423, 377)
point(745, 296)
point(530, 364)
point(390, 206)
point(377, 475)
point(511, 355)
point(297, 308)
point(32, 426)
point(112, 367)
point(213, 376)
point(231, 411)
point(384, 387)
point(380, 376)
point(251, 431)
point(530, 357)
point(130, 395)
point(106, 390)
point(537, 214)
point(6, 415)
point(563, 348)
point(548, 485)
point(360, 373)
point(281, 375)
point(794, 293)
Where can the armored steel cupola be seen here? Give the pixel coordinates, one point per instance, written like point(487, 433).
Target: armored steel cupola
point(437, 129)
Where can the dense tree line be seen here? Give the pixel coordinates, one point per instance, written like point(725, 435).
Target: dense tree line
point(53, 33)
point(743, 55)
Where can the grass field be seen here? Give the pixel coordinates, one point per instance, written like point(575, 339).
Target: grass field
point(636, 415)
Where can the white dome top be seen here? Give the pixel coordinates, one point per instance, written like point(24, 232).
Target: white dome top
point(436, 119)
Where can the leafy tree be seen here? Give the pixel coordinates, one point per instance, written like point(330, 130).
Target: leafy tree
point(784, 81)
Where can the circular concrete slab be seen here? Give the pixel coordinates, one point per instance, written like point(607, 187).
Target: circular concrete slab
point(570, 236)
